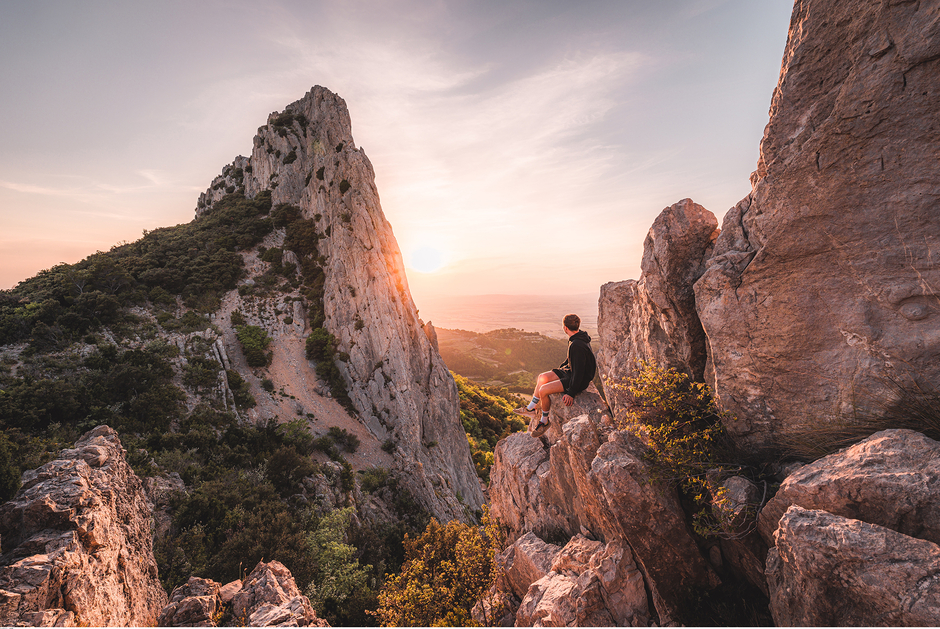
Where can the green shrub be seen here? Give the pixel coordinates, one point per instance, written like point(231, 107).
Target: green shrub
point(372, 479)
point(9, 472)
point(201, 373)
point(241, 390)
point(682, 426)
point(339, 578)
point(320, 345)
point(344, 438)
point(254, 341)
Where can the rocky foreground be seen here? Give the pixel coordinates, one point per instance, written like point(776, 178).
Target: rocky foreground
point(78, 551)
point(77, 542)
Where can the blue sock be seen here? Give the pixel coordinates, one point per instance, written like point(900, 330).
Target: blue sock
point(532, 404)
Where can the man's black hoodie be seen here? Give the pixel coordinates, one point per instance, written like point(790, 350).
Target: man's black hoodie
point(580, 363)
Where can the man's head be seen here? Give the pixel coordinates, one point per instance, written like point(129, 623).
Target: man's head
point(572, 322)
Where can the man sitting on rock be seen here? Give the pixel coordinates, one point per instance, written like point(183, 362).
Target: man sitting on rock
point(571, 378)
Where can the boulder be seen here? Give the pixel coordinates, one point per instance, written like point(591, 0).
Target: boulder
point(654, 319)
point(525, 561)
point(824, 282)
point(892, 479)
point(78, 541)
point(591, 584)
point(650, 519)
point(827, 570)
point(196, 603)
point(269, 597)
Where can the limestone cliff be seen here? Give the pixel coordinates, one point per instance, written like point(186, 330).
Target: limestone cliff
point(825, 279)
point(398, 383)
point(78, 542)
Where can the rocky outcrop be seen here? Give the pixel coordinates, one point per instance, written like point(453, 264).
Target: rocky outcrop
point(654, 319)
point(78, 542)
point(269, 597)
point(891, 479)
point(826, 277)
point(827, 570)
point(585, 477)
point(585, 583)
point(398, 383)
point(196, 603)
point(525, 561)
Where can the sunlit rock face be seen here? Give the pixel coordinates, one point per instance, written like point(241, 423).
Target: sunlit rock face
point(78, 542)
point(396, 378)
point(826, 278)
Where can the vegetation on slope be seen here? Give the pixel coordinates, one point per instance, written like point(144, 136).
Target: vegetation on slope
point(508, 358)
point(84, 344)
point(448, 568)
point(487, 417)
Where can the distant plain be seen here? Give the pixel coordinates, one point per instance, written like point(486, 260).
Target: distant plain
point(532, 313)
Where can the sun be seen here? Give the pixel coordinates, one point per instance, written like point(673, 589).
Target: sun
point(426, 259)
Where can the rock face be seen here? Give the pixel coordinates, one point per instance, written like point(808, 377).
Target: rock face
point(582, 476)
point(586, 583)
point(827, 570)
point(826, 276)
point(395, 376)
point(891, 479)
point(654, 319)
point(78, 542)
point(269, 597)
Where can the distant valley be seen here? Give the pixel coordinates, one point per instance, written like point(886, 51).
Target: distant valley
point(532, 313)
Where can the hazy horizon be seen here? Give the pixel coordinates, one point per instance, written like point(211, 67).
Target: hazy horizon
point(524, 147)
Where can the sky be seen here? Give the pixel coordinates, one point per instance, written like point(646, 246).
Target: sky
point(520, 146)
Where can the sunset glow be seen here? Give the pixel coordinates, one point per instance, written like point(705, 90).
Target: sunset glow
point(522, 147)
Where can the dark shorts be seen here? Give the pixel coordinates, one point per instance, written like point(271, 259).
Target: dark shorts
point(564, 376)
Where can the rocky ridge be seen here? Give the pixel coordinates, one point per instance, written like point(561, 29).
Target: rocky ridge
point(584, 477)
point(400, 387)
point(78, 542)
point(268, 597)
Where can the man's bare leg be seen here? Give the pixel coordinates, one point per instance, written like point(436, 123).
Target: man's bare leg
point(552, 386)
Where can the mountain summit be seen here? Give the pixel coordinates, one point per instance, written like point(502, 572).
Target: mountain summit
point(397, 383)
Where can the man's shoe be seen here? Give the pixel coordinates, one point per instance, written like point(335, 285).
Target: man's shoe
point(540, 428)
point(522, 410)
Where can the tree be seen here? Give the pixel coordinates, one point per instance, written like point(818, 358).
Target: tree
point(447, 570)
point(340, 578)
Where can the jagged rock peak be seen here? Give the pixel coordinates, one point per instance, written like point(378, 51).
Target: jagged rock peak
point(653, 319)
point(78, 542)
point(400, 387)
